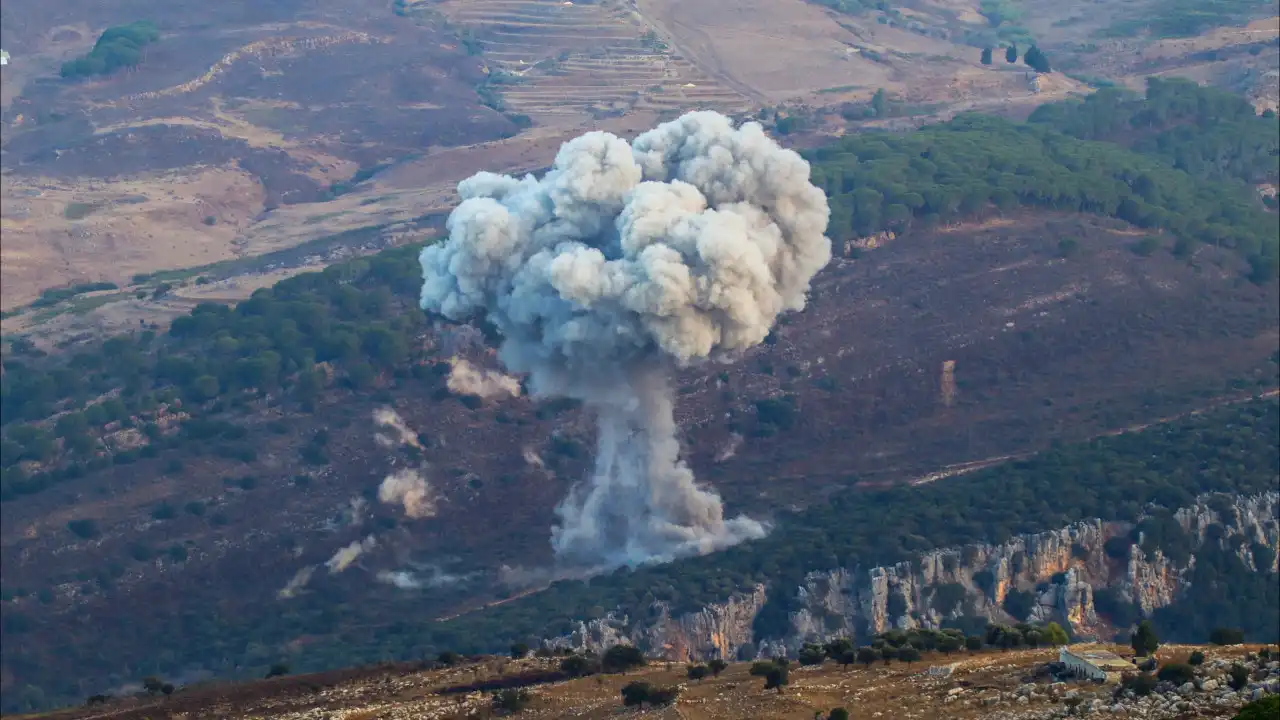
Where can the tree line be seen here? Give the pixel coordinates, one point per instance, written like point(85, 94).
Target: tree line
point(118, 47)
point(1033, 58)
point(1203, 131)
point(1180, 177)
point(360, 318)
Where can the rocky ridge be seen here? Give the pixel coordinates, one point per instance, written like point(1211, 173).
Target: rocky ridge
point(1060, 568)
point(1209, 694)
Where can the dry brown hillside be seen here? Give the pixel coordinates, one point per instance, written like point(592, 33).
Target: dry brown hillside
point(1045, 348)
point(337, 128)
point(1017, 685)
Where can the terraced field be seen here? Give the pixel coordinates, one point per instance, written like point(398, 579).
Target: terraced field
point(563, 62)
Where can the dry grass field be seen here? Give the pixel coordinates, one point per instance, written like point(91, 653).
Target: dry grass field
point(564, 61)
point(890, 692)
point(244, 135)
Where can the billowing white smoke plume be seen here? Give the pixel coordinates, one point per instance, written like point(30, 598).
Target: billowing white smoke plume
point(621, 263)
point(407, 487)
point(467, 379)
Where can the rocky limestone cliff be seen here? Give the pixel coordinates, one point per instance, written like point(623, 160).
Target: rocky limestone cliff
point(1058, 571)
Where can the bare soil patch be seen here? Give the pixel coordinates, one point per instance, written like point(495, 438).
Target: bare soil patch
point(135, 226)
point(296, 98)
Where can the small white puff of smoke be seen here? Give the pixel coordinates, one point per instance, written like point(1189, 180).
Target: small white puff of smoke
point(623, 261)
point(385, 417)
point(297, 582)
point(342, 559)
point(532, 457)
point(407, 487)
point(467, 379)
point(411, 580)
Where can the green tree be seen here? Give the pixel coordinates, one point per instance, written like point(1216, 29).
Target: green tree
point(1176, 673)
point(1011, 54)
point(621, 658)
point(575, 666)
point(1144, 640)
point(717, 666)
point(519, 650)
point(1053, 634)
point(308, 385)
point(205, 387)
point(1036, 60)
point(72, 423)
point(986, 56)
point(636, 693)
point(663, 696)
point(385, 347)
point(777, 678)
point(84, 528)
point(879, 103)
point(697, 672)
point(1268, 708)
point(838, 647)
point(838, 714)
point(361, 375)
point(948, 644)
point(812, 654)
point(1146, 247)
point(81, 445)
point(1238, 677)
point(1196, 658)
point(868, 655)
point(1226, 636)
point(1141, 684)
point(1019, 603)
point(908, 654)
point(973, 643)
point(152, 684)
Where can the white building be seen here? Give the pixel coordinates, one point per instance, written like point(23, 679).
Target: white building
point(4, 58)
point(1093, 662)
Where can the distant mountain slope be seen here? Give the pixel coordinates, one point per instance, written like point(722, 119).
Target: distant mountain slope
point(201, 472)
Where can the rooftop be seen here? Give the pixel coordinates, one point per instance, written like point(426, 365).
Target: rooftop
point(1099, 657)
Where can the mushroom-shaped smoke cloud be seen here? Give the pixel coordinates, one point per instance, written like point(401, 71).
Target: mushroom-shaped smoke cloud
point(623, 262)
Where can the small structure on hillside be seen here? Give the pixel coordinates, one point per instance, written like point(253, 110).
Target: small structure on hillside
point(948, 382)
point(4, 58)
point(942, 671)
point(1093, 663)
